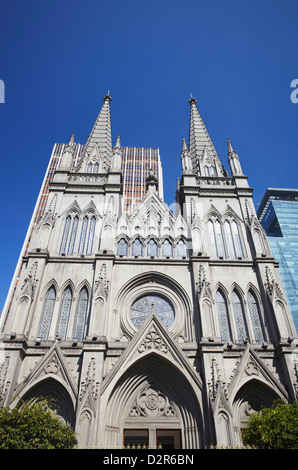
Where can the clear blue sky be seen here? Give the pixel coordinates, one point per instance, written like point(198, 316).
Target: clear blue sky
point(59, 58)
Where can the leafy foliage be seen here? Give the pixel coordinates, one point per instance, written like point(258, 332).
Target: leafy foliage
point(273, 428)
point(33, 424)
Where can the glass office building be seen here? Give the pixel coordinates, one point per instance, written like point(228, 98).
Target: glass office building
point(278, 213)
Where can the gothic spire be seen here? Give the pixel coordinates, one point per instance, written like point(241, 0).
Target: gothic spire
point(199, 138)
point(101, 133)
point(234, 160)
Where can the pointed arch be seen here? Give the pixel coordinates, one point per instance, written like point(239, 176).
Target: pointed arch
point(122, 246)
point(153, 370)
point(239, 315)
point(81, 314)
point(51, 387)
point(255, 316)
point(223, 316)
point(65, 309)
point(47, 313)
point(137, 246)
point(152, 247)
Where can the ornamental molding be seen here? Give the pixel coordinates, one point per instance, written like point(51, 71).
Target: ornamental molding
point(153, 340)
point(152, 403)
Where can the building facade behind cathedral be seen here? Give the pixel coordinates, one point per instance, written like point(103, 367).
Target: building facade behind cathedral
point(148, 326)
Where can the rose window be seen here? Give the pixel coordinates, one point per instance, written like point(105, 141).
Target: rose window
point(148, 304)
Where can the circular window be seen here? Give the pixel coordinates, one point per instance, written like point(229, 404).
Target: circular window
point(142, 307)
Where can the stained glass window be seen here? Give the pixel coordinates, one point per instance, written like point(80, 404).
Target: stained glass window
point(152, 248)
point(82, 309)
point(122, 247)
point(91, 236)
point(73, 235)
point(83, 235)
point(47, 313)
point(212, 239)
point(255, 318)
point(151, 304)
point(237, 240)
point(65, 235)
point(167, 250)
point(219, 239)
point(239, 317)
point(222, 312)
point(64, 313)
point(137, 248)
point(181, 249)
point(229, 238)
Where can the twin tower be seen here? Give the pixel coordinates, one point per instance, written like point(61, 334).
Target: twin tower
point(147, 326)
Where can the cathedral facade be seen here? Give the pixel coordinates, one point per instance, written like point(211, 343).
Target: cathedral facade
point(149, 326)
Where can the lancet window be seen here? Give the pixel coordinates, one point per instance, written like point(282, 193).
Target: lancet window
point(87, 235)
point(137, 248)
point(216, 239)
point(239, 317)
point(167, 249)
point(223, 319)
point(181, 249)
point(47, 313)
point(255, 317)
point(81, 316)
point(64, 313)
point(152, 248)
point(122, 247)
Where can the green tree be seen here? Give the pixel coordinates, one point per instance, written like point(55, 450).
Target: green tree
point(273, 428)
point(34, 424)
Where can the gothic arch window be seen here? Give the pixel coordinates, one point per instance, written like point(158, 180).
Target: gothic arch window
point(81, 316)
point(65, 234)
point(255, 317)
point(91, 233)
point(209, 170)
point(64, 313)
point(83, 235)
point(73, 235)
point(152, 248)
point(89, 167)
point(181, 249)
point(167, 249)
point(216, 239)
point(87, 235)
point(137, 248)
point(223, 320)
point(122, 247)
point(239, 317)
point(47, 313)
point(148, 304)
point(95, 167)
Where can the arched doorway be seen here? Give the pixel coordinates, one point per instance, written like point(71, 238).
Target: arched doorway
point(52, 389)
point(251, 398)
point(153, 403)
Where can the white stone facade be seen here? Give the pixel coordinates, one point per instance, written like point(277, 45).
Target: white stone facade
point(153, 323)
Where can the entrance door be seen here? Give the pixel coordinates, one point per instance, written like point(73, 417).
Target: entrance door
point(136, 437)
point(168, 438)
point(161, 438)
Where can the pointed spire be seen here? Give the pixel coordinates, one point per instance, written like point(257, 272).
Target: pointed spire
point(184, 145)
point(117, 155)
point(101, 134)
point(199, 139)
point(234, 160)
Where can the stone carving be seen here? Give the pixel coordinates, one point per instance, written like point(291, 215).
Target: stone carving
point(153, 340)
point(153, 404)
point(52, 367)
point(252, 368)
point(89, 383)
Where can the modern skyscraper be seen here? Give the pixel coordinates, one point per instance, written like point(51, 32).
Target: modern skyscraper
point(146, 326)
point(278, 213)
